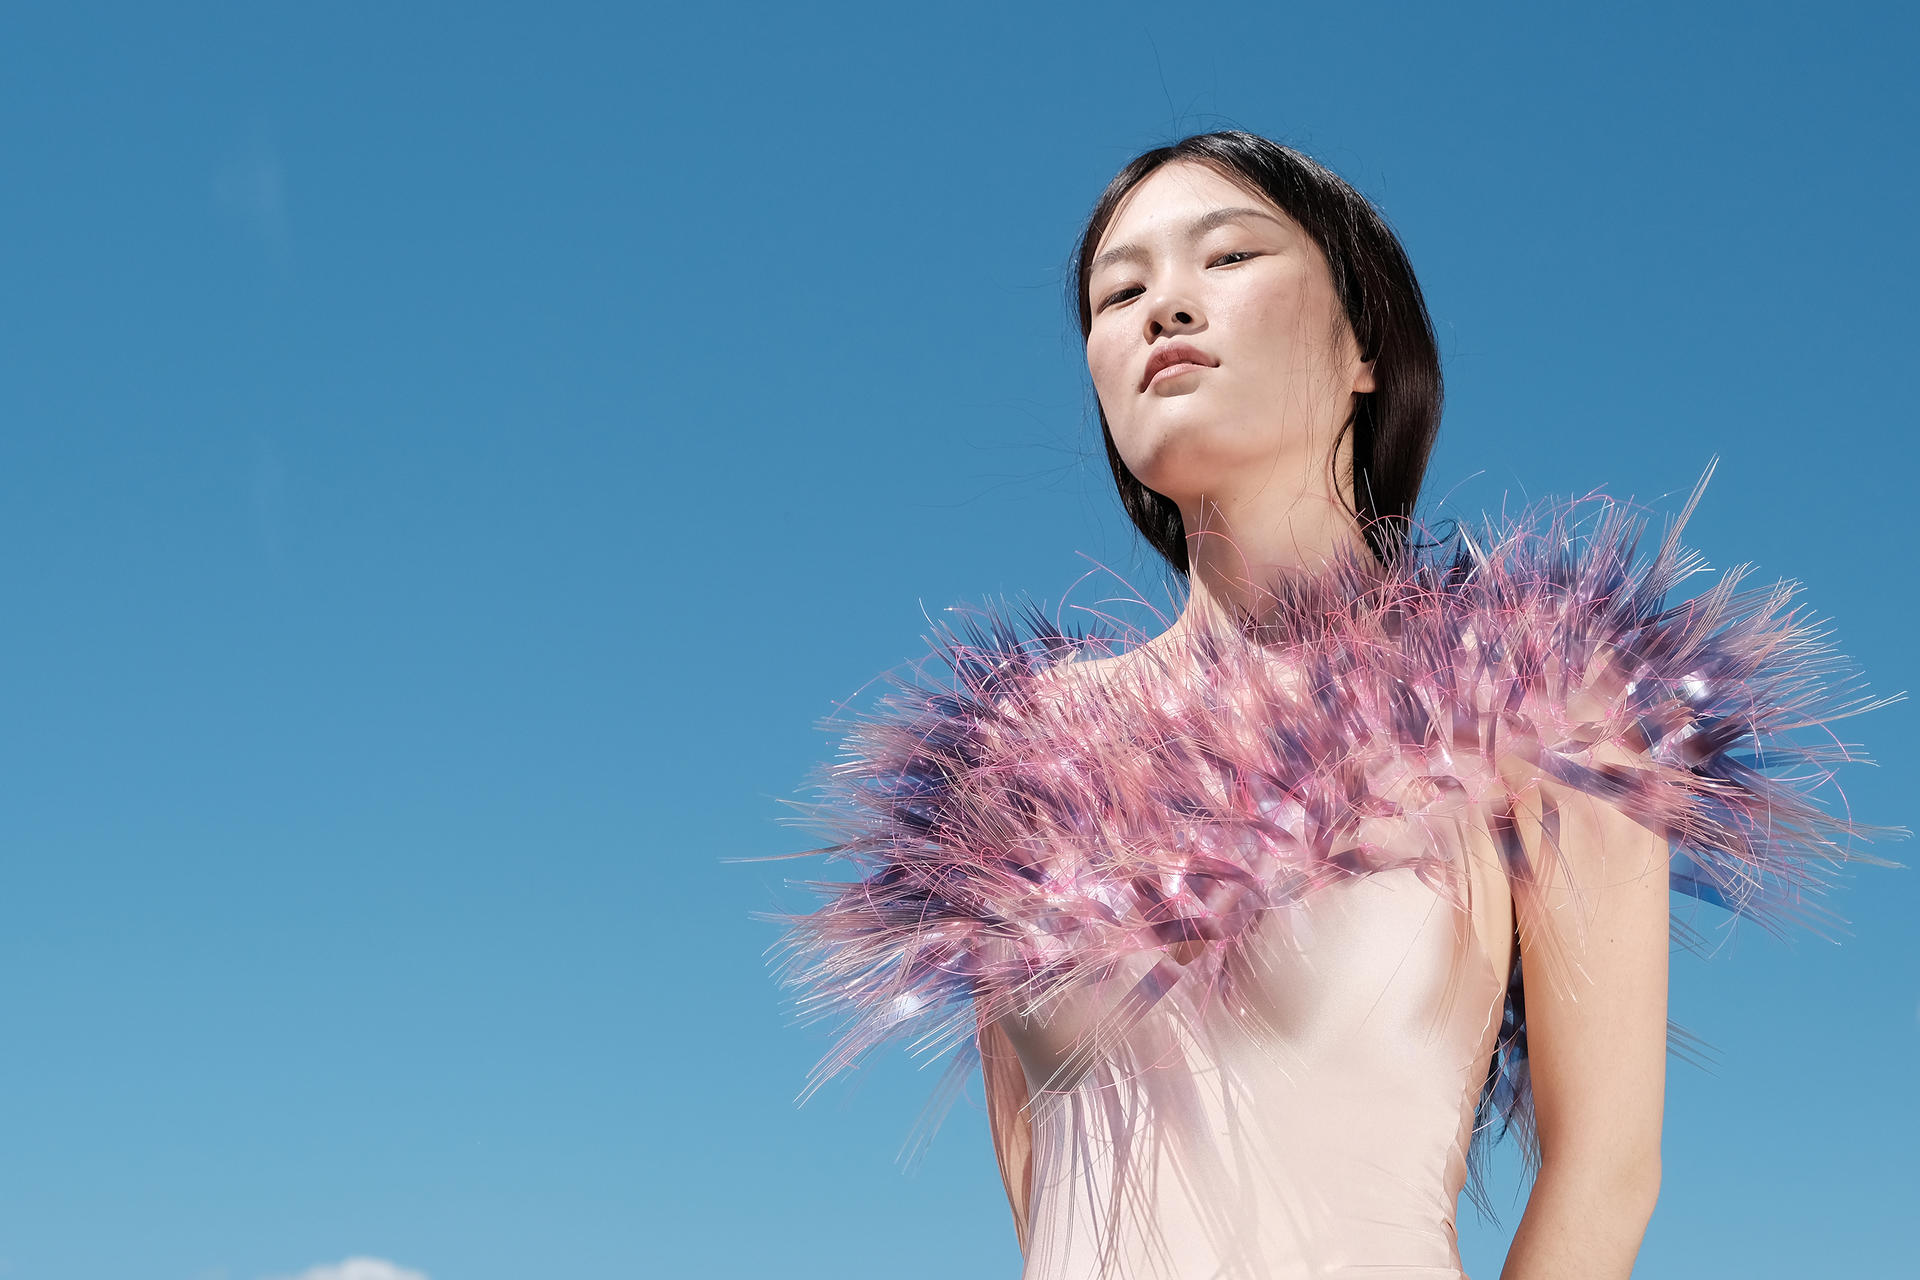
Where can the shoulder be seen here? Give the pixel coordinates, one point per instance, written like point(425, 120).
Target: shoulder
point(1084, 675)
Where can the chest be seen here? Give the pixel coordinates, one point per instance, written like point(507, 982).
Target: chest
point(1369, 967)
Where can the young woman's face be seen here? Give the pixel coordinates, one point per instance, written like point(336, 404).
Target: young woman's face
point(1218, 347)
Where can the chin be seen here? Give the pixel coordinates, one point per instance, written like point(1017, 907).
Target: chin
point(1176, 463)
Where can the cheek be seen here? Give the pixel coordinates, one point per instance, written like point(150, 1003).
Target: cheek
point(1107, 363)
point(1270, 319)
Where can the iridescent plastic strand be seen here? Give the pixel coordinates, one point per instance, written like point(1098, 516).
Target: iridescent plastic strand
point(1017, 834)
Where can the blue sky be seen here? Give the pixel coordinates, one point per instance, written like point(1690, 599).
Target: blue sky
point(450, 458)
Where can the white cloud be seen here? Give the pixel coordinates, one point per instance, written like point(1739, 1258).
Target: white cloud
point(358, 1269)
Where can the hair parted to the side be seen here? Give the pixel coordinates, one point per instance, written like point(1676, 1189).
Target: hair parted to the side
point(1394, 425)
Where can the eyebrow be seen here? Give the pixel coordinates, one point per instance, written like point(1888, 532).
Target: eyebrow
point(1195, 229)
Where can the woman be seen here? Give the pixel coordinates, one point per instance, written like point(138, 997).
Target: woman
point(1236, 918)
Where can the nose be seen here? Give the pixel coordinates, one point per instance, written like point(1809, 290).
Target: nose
point(1172, 312)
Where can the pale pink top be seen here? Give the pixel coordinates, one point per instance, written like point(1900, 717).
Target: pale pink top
point(1331, 1143)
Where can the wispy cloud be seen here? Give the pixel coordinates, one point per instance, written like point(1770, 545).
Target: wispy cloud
point(251, 188)
point(357, 1269)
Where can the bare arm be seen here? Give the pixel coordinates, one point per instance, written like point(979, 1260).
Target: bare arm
point(1006, 1089)
point(1596, 1036)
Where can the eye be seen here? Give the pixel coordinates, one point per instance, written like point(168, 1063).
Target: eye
point(1119, 295)
point(1228, 259)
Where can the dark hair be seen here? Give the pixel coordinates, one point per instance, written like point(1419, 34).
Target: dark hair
point(1393, 425)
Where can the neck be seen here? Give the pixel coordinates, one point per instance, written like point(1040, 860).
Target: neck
point(1239, 547)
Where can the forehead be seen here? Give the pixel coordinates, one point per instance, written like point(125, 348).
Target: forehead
point(1175, 194)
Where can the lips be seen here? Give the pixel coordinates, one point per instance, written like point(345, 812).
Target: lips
point(1175, 353)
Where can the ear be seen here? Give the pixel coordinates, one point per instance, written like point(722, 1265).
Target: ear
point(1363, 381)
